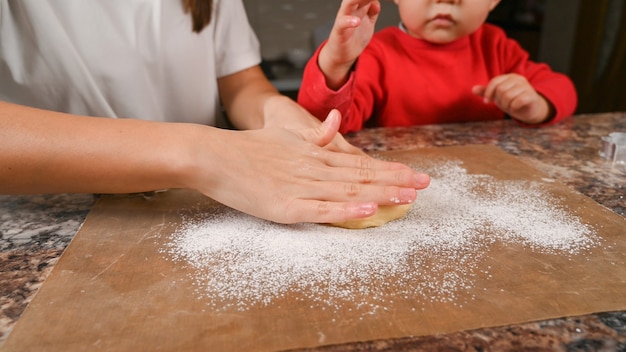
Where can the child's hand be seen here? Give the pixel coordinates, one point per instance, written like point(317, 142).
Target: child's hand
point(352, 31)
point(514, 95)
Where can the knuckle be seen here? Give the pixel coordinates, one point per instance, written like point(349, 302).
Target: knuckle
point(365, 162)
point(393, 194)
point(289, 210)
point(403, 177)
point(366, 175)
point(352, 189)
point(323, 208)
point(303, 164)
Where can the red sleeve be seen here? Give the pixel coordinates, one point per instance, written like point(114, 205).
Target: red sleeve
point(316, 97)
point(319, 100)
point(558, 89)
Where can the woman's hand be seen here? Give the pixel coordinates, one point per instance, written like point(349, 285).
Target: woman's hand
point(279, 174)
point(252, 102)
point(290, 176)
point(283, 112)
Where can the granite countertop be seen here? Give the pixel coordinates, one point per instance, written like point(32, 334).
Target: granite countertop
point(35, 230)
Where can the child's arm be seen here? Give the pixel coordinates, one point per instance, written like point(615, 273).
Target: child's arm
point(352, 31)
point(514, 95)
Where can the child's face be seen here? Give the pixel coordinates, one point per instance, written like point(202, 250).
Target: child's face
point(443, 21)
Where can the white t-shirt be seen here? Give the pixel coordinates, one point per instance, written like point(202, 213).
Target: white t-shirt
point(121, 58)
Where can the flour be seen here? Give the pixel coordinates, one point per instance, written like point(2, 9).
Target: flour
point(433, 254)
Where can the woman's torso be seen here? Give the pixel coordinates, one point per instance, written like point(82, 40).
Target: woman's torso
point(121, 58)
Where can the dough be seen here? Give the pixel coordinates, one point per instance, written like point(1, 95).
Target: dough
point(384, 214)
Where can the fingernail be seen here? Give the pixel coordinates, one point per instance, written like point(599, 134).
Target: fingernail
point(407, 195)
point(422, 179)
point(368, 209)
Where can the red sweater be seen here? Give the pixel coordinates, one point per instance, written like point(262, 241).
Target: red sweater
point(400, 81)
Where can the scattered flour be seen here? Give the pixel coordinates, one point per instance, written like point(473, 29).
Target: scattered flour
point(432, 254)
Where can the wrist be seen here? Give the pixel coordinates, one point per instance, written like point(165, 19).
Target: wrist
point(187, 161)
point(546, 112)
point(282, 112)
point(335, 72)
point(541, 112)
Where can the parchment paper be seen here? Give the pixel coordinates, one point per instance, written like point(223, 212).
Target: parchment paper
point(114, 289)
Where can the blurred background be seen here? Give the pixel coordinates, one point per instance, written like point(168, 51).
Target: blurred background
point(585, 39)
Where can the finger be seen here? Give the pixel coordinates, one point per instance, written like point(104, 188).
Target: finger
point(359, 9)
point(354, 17)
point(505, 93)
point(507, 98)
point(374, 9)
point(395, 174)
point(353, 184)
point(365, 169)
point(343, 23)
point(339, 144)
point(479, 90)
point(510, 91)
point(349, 7)
point(521, 103)
point(367, 8)
point(357, 168)
point(357, 192)
point(327, 212)
point(361, 161)
point(492, 88)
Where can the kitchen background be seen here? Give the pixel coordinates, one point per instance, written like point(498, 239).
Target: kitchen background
point(585, 39)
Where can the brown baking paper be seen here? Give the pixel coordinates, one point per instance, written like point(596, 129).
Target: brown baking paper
point(114, 288)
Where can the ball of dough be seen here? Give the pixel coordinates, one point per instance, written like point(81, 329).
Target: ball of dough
point(384, 214)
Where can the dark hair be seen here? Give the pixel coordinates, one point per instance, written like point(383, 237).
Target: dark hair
point(200, 12)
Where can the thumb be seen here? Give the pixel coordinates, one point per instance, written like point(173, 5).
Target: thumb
point(479, 90)
point(325, 132)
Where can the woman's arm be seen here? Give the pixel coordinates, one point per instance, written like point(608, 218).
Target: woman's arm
point(278, 174)
point(43, 151)
point(252, 102)
point(244, 95)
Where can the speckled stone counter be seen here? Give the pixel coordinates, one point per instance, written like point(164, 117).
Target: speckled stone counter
point(35, 230)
